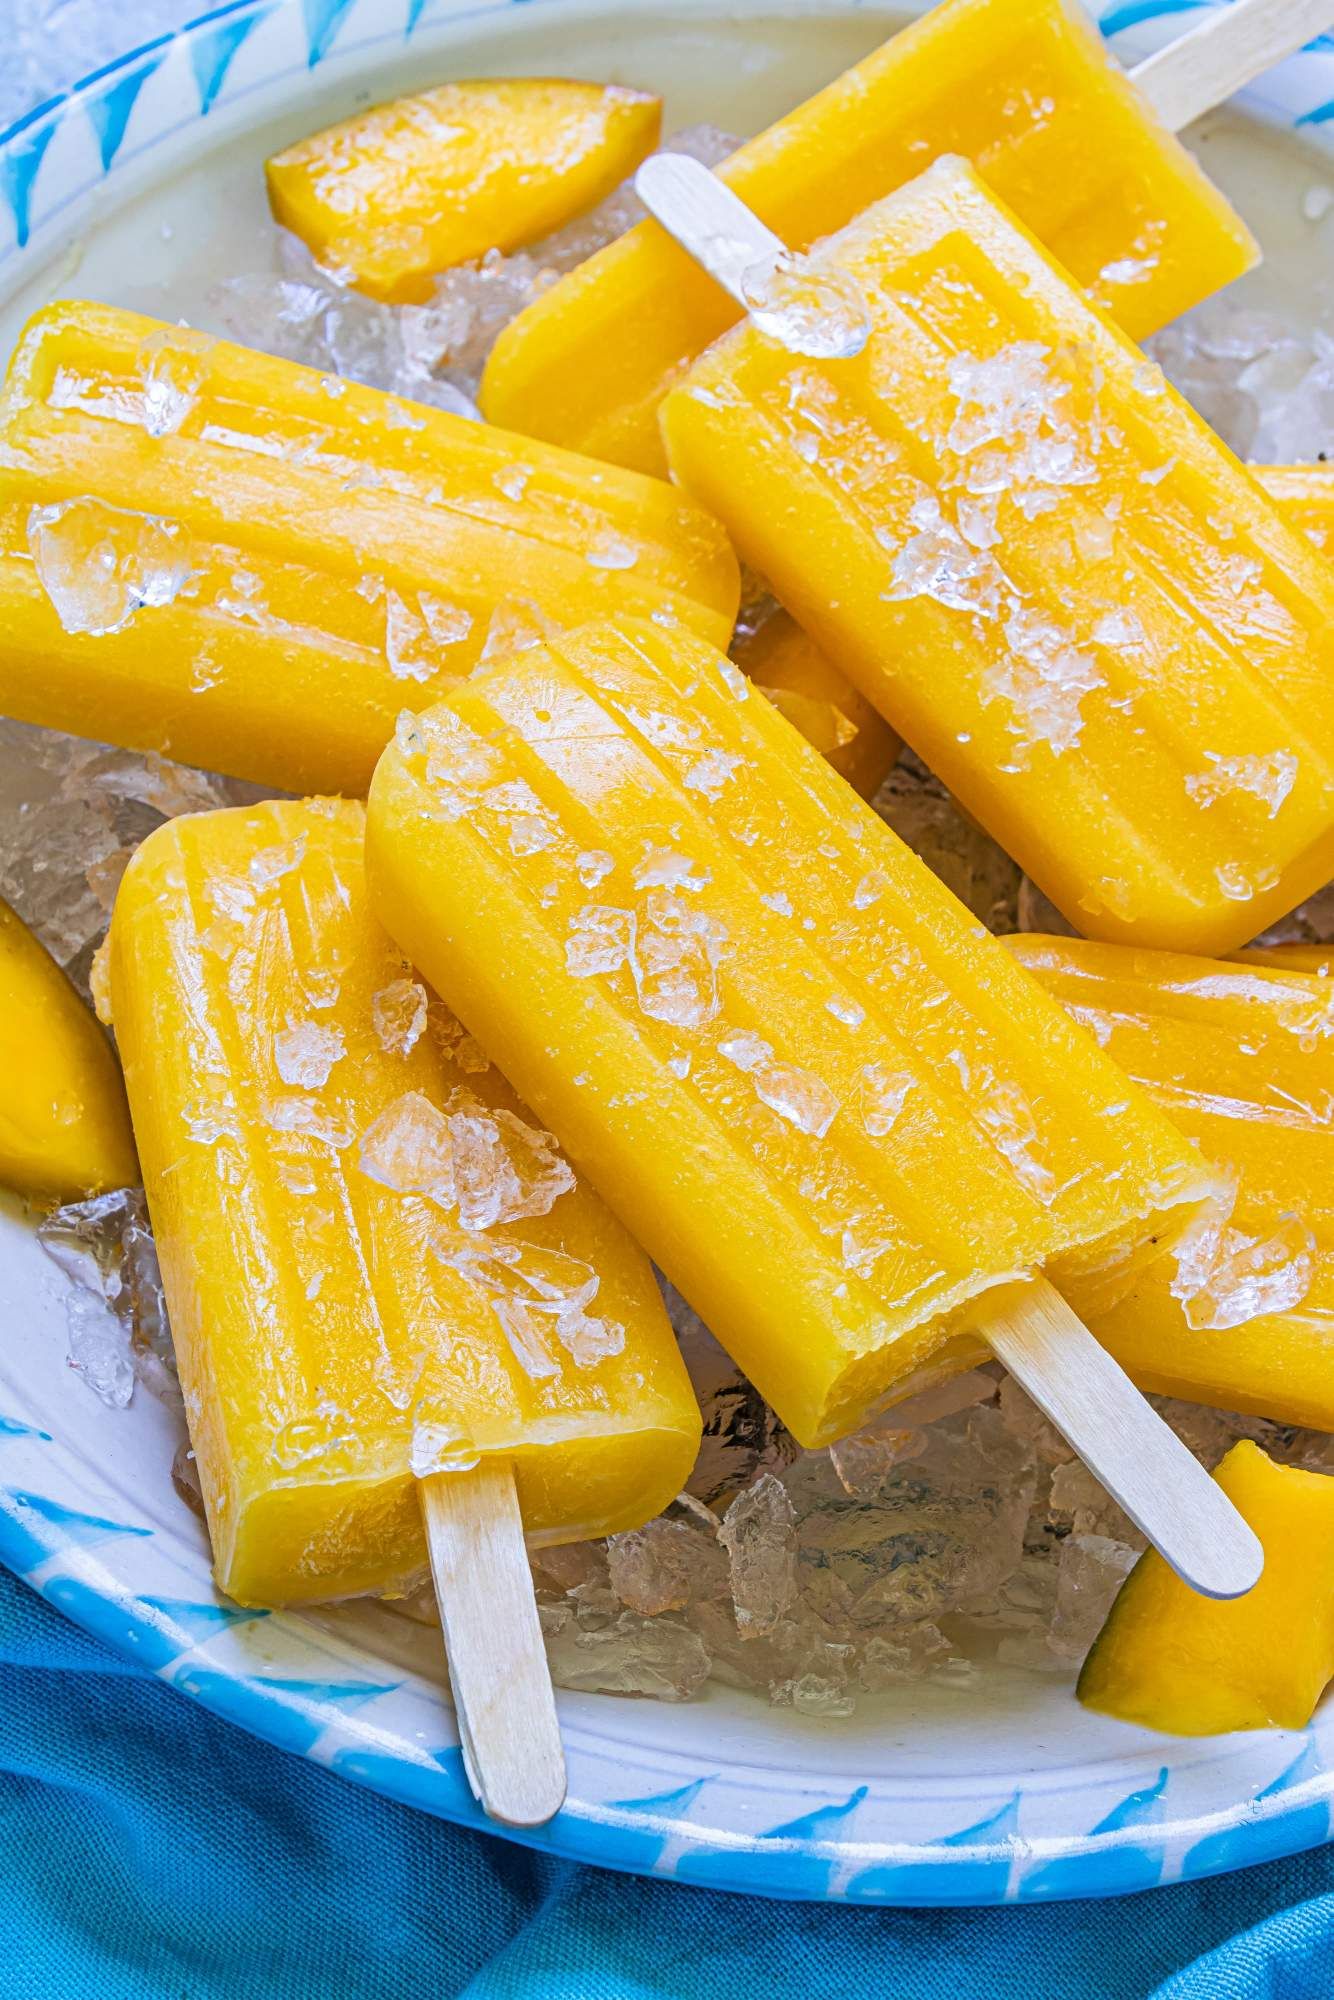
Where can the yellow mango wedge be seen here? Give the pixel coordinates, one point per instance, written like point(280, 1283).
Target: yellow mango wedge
point(389, 198)
point(1198, 1666)
point(833, 715)
point(64, 1126)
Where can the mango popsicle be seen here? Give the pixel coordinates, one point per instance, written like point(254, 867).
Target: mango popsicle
point(827, 1102)
point(378, 1267)
point(64, 1128)
point(392, 195)
point(1034, 560)
point(1240, 1313)
point(833, 715)
point(1023, 88)
point(250, 566)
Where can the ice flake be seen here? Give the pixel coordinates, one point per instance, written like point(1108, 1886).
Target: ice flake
point(208, 1122)
point(663, 869)
point(779, 901)
point(305, 1053)
point(539, 1296)
point(795, 1094)
point(733, 680)
point(593, 866)
point(808, 307)
point(1045, 676)
point(1122, 630)
point(1225, 1277)
point(99, 564)
point(1006, 1116)
point(1128, 270)
point(398, 1015)
point(711, 771)
point(512, 480)
point(439, 1447)
point(611, 552)
point(417, 633)
point(306, 1118)
point(882, 1096)
point(528, 825)
point(1269, 778)
point(173, 366)
point(938, 563)
point(1012, 430)
point(846, 1011)
point(268, 864)
point(516, 626)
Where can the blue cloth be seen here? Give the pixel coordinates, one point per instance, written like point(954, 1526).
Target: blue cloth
point(152, 1853)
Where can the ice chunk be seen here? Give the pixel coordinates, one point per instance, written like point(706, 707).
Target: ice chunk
point(884, 1092)
point(758, 1534)
point(670, 948)
point(398, 1015)
point(628, 1655)
point(101, 564)
point(808, 307)
point(486, 1164)
point(795, 1094)
point(116, 1320)
point(305, 1053)
point(173, 364)
point(1225, 1277)
point(663, 1566)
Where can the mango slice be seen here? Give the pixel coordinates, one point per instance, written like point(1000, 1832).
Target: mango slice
point(833, 716)
point(1195, 1666)
point(64, 1125)
point(409, 188)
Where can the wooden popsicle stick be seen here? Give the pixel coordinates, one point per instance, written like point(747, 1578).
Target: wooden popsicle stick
point(707, 219)
point(497, 1664)
point(1224, 53)
point(1122, 1440)
point(1094, 1405)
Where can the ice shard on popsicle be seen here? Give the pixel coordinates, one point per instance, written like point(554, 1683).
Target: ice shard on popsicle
point(1024, 88)
point(1240, 1312)
point(824, 1098)
point(1035, 561)
point(378, 1266)
point(251, 566)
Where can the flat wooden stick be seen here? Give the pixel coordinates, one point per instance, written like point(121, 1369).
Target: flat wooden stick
point(1225, 53)
point(1122, 1440)
point(497, 1664)
point(707, 219)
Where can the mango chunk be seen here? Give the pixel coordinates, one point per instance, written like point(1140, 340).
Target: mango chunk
point(64, 1125)
point(1195, 1666)
point(833, 716)
point(409, 188)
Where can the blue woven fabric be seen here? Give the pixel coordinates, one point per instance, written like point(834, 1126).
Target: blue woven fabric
point(151, 1851)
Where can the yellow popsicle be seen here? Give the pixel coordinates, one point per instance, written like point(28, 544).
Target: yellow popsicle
point(1317, 959)
point(292, 1084)
point(1024, 88)
point(397, 193)
point(250, 566)
point(1038, 564)
point(820, 701)
point(64, 1128)
point(1240, 1314)
point(1170, 1660)
point(823, 1097)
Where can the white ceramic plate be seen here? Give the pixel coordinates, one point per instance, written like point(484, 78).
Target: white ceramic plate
point(139, 187)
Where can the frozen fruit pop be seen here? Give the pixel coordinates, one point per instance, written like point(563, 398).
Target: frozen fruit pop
point(380, 1270)
point(1028, 552)
point(1239, 1313)
point(64, 1128)
point(830, 712)
point(397, 193)
point(253, 567)
point(1023, 88)
point(830, 1105)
